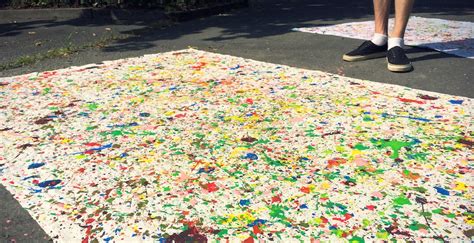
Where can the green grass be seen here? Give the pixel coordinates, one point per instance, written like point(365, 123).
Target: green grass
point(55, 53)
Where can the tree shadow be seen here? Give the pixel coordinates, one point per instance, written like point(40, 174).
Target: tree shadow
point(266, 18)
point(272, 18)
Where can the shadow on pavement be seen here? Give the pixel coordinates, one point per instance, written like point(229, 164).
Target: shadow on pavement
point(268, 18)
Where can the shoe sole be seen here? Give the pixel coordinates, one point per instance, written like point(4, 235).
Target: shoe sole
point(399, 68)
point(363, 58)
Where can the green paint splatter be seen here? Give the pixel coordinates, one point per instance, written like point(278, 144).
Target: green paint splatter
point(46, 90)
point(419, 189)
point(366, 222)
point(277, 211)
point(222, 233)
point(382, 235)
point(367, 118)
point(92, 106)
point(361, 147)
point(401, 200)
point(395, 145)
point(271, 161)
point(357, 239)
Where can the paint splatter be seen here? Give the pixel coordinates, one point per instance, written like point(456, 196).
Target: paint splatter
point(452, 37)
point(195, 146)
point(49, 183)
point(35, 165)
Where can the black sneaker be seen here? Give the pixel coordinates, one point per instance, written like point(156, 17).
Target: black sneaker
point(398, 60)
point(368, 50)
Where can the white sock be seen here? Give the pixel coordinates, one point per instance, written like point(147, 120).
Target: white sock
point(379, 39)
point(394, 41)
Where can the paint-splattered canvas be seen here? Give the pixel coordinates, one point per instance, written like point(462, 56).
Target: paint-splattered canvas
point(448, 36)
point(191, 145)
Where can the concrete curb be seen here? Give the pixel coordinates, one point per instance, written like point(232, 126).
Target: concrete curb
point(199, 13)
point(114, 14)
point(81, 13)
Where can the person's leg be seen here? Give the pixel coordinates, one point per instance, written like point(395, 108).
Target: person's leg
point(381, 14)
point(377, 46)
point(402, 14)
point(397, 60)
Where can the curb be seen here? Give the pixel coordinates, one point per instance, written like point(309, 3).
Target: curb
point(80, 13)
point(204, 12)
point(112, 14)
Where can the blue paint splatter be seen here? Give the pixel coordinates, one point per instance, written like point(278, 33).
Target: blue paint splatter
point(257, 222)
point(206, 170)
point(35, 190)
point(251, 156)
point(303, 206)
point(30, 177)
point(83, 114)
point(244, 202)
point(386, 115)
point(456, 102)
point(133, 124)
point(235, 68)
point(102, 147)
point(35, 165)
point(145, 114)
point(441, 191)
point(49, 183)
point(417, 118)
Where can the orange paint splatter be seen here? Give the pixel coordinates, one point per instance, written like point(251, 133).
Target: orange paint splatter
point(336, 162)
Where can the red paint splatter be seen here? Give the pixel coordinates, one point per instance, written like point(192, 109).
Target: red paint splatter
point(427, 97)
point(336, 162)
point(107, 192)
point(190, 235)
point(93, 144)
point(276, 199)
point(180, 115)
point(199, 65)
point(346, 217)
point(212, 187)
point(249, 101)
point(85, 240)
point(370, 207)
point(256, 230)
point(305, 189)
point(249, 240)
point(411, 101)
point(89, 220)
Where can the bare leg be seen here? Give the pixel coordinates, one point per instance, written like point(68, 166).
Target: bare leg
point(402, 13)
point(381, 13)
